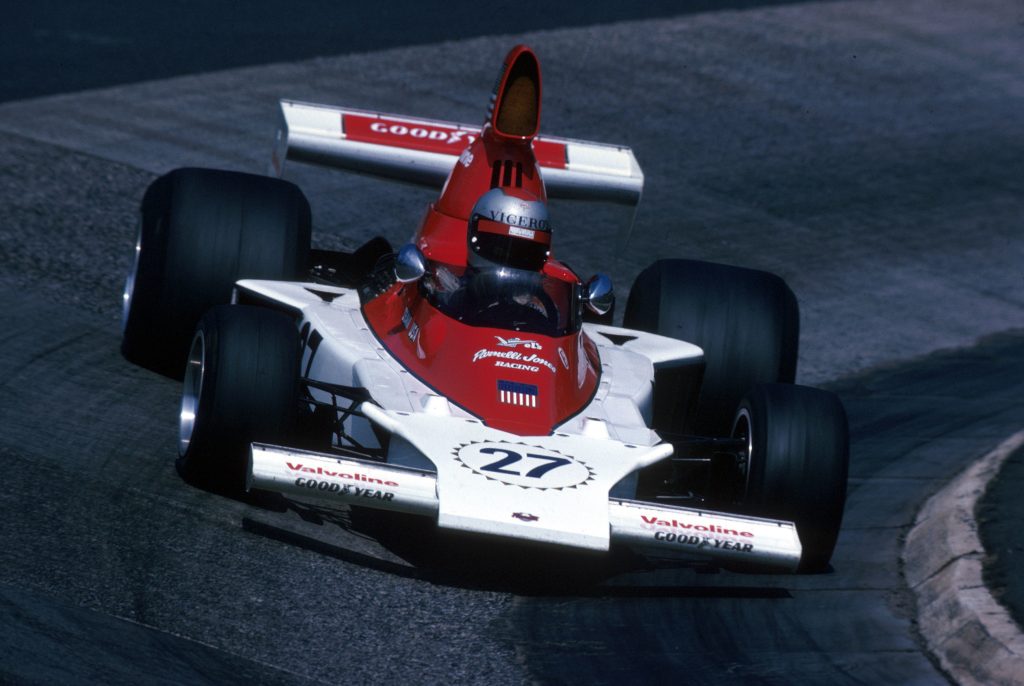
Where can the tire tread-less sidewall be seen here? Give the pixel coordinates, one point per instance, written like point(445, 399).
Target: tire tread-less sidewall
point(129, 282)
point(741, 429)
point(191, 391)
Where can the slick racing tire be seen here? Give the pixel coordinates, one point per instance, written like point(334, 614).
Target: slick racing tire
point(746, 321)
point(797, 463)
point(241, 385)
point(200, 230)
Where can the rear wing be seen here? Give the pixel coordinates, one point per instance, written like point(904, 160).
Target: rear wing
point(425, 150)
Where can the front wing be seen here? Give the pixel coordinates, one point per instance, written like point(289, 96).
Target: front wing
point(549, 489)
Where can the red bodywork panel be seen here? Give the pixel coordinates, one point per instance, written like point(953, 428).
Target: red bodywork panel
point(545, 380)
point(522, 383)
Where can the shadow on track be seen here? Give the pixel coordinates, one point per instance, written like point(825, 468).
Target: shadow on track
point(474, 562)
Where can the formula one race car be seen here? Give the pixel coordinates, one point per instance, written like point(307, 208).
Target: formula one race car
point(470, 376)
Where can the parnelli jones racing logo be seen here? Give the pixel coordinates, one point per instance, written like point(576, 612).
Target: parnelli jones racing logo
point(513, 359)
point(425, 132)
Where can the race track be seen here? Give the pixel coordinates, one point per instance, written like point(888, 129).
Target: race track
point(870, 153)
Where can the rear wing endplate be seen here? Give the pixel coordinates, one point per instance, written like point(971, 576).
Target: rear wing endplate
point(425, 150)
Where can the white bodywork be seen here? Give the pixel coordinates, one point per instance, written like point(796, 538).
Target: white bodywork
point(440, 459)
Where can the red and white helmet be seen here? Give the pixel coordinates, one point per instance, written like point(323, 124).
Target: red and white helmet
point(510, 227)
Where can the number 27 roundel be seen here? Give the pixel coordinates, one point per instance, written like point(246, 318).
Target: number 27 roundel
point(523, 465)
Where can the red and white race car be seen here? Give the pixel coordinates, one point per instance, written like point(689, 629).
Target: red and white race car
point(471, 377)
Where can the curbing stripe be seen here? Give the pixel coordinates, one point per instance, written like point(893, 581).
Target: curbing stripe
point(973, 637)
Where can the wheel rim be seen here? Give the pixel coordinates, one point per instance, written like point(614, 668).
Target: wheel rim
point(192, 389)
point(741, 429)
point(129, 282)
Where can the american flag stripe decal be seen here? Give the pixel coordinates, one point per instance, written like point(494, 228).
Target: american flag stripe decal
point(522, 394)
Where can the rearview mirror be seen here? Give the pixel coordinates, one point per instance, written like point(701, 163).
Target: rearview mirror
point(599, 295)
point(410, 264)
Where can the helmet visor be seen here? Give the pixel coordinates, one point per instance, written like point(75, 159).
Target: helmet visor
point(520, 247)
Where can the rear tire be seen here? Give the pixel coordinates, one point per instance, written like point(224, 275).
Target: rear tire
point(241, 385)
point(200, 230)
point(797, 465)
point(747, 322)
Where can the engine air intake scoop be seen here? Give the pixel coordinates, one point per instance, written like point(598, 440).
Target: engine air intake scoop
point(517, 96)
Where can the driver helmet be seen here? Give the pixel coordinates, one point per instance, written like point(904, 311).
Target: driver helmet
point(510, 227)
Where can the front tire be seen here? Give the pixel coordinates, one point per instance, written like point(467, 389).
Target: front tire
point(241, 386)
point(797, 463)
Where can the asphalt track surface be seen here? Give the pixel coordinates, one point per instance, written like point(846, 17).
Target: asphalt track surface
point(56, 46)
point(870, 153)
